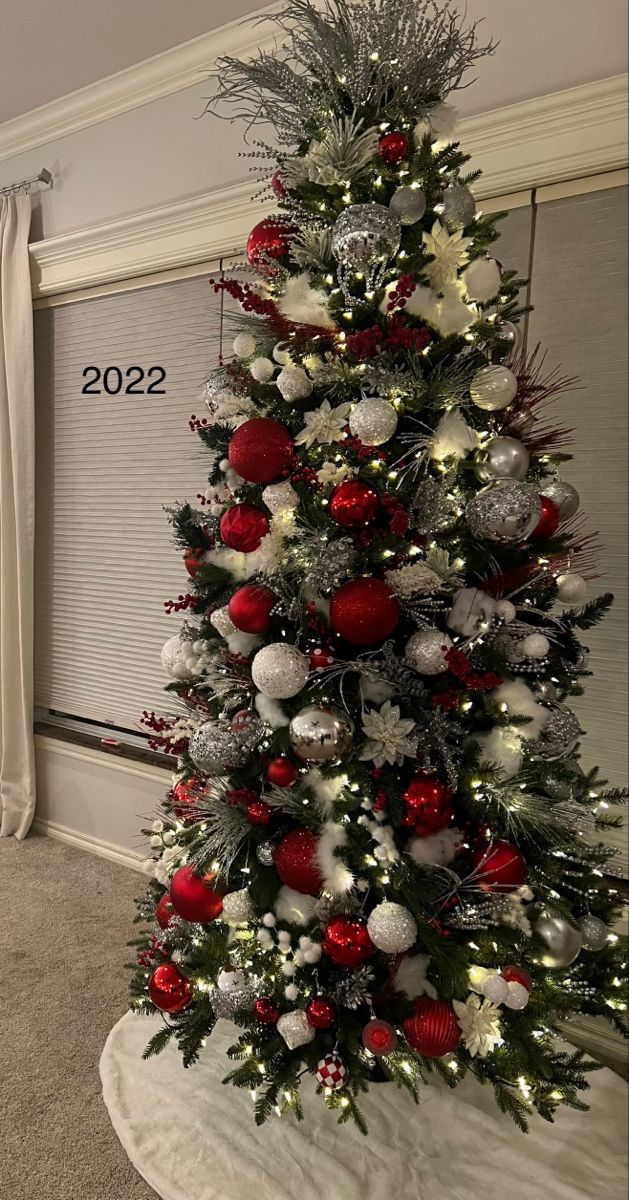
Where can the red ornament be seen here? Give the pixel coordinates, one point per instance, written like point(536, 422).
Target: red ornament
point(243, 526)
point(353, 504)
point(364, 611)
point(242, 719)
point(258, 813)
point(296, 862)
point(346, 941)
point(548, 522)
point(282, 772)
point(164, 912)
point(331, 1072)
point(499, 866)
point(266, 1011)
point(277, 183)
point(251, 606)
point(517, 975)
point(394, 147)
point(260, 450)
point(428, 804)
point(169, 990)
point(185, 798)
point(433, 1030)
point(320, 658)
point(379, 1037)
point(268, 241)
point(193, 559)
point(193, 896)
point(321, 1012)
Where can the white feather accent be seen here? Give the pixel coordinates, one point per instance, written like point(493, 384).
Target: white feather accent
point(503, 747)
point(337, 877)
point(410, 977)
point(482, 279)
point(325, 791)
point(294, 907)
point(521, 702)
point(438, 849)
point(304, 304)
point(453, 437)
point(271, 711)
point(242, 643)
point(228, 560)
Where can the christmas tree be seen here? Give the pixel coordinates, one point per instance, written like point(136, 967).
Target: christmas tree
point(379, 854)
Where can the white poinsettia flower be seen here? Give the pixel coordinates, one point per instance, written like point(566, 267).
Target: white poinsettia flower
point(333, 473)
point(479, 1021)
point(324, 424)
point(389, 736)
point(450, 252)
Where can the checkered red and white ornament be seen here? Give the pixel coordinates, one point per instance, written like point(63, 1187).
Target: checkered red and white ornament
point(331, 1072)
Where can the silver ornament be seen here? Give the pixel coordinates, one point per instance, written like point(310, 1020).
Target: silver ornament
point(559, 736)
point(216, 748)
point(426, 650)
point(563, 495)
point(280, 497)
point(280, 670)
point(571, 588)
point(265, 854)
point(502, 458)
point(517, 996)
point(493, 388)
point(237, 908)
point(408, 204)
point(222, 622)
point(364, 238)
point(459, 205)
point(293, 384)
point(392, 928)
point(293, 1027)
point(558, 786)
point(321, 734)
point(230, 981)
point(544, 689)
point(593, 931)
point(562, 942)
point(507, 511)
point(510, 339)
point(373, 420)
point(227, 1004)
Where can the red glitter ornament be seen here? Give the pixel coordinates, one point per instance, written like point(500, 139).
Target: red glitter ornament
point(169, 990)
point(277, 183)
point(346, 941)
point(379, 1037)
point(164, 911)
point(548, 522)
point(394, 147)
point(428, 804)
point(243, 526)
point(193, 896)
point(266, 1011)
point(321, 1012)
point(320, 658)
point(296, 862)
point(268, 241)
point(250, 608)
point(258, 813)
point(282, 772)
point(515, 974)
point(353, 504)
point(433, 1030)
point(499, 866)
point(260, 450)
point(185, 799)
point(364, 611)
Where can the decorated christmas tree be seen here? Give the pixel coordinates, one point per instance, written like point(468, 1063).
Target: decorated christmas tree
point(379, 854)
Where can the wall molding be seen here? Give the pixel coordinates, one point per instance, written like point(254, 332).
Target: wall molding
point(92, 845)
point(97, 758)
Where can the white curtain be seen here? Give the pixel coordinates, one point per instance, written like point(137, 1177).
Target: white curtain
point(17, 481)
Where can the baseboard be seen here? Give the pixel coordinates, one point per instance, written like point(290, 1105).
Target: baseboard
point(595, 1036)
point(83, 841)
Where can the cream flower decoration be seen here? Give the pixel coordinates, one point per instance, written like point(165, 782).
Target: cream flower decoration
point(480, 1025)
point(388, 734)
point(416, 579)
point(450, 253)
point(324, 424)
point(333, 473)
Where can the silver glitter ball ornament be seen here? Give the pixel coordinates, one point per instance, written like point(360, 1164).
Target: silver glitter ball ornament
point(593, 931)
point(493, 388)
point(561, 786)
point(373, 420)
point(562, 942)
point(459, 205)
point(392, 928)
point(237, 907)
point(295, 1029)
point(293, 384)
point(495, 988)
point(216, 748)
point(408, 204)
point(544, 689)
point(510, 339)
point(559, 736)
point(227, 1004)
point(265, 854)
point(563, 495)
point(426, 651)
point(507, 511)
point(502, 458)
point(280, 670)
point(364, 235)
point(321, 734)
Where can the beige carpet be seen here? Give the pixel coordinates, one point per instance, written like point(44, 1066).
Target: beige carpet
point(65, 918)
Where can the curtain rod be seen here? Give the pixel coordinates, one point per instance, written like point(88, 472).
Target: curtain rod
point(25, 185)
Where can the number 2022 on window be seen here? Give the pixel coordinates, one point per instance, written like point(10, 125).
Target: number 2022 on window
point(135, 381)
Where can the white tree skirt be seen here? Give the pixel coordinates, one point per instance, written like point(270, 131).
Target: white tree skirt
point(193, 1139)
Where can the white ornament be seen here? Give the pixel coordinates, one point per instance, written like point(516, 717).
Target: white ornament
point(482, 279)
point(479, 1021)
point(472, 613)
point(280, 670)
point(392, 928)
point(293, 384)
point(426, 651)
point(244, 345)
point(294, 1028)
point(237, 908)
point(230, 981)
point(438, 849)
point(222, 622)
point(324, 424)
point(535, 645)
point(493, 388)
point(389, 736)
point(506, 611)
point(517, 995)
point(571, 588)
point(449, 251)
point(291, 992)
point(281, 354)
point(494, 988)
point(373, 420)
point(262, 369)
point(454, 438)
point(280, 497)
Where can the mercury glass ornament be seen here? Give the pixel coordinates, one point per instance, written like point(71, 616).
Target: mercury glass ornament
point(426, 651)
point(564, 496)
point(321, 734)
point(295, 1029)
point(373, 420)
point(502, 458)
point(493, 388)
point(459, 205)
point(507, 511)
point(392, 928)
point(364, 238)
point(237, 907)
point(227, 1004)
point(509, 344)
point(558, 786)
point(562, 942)
point(408, 204)
point(593, 931)
point(265, 854)
point(559, 737)
point(216, 748)
point(280, 670)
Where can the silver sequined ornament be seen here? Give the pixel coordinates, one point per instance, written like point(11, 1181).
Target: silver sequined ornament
point(510, 339)
point(507, 511)
point(293, 384)
point(459, 205)
point(435, 507)
point(560, 787)
point(321, 734)
point(502, 458)
point(237, 907)
point(562, 942)
point(373, 420)
point(392, 928)
point(364, 238)
point(280, 670)
point(408, 204)
point(593, 931)
point(265, 854)
point(426, 651)
point(294, 1028)
point(227, 1004)
point(280, 497)
point(563, 495)
point(493, 388)
point(559, 736)
point(216, 748)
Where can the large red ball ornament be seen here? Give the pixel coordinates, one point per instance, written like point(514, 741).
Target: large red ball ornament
point(364, 611)
point(193, 897)
point(548, 523)
point(164, 912)
point(514, 974)
point(268, 241)
point(185, 799)
point(251, 606)
point(296, 862)
point(169, 990)
point(260, 450)
point(433, 1030)
point(499, 866)
point(243, 526)
point(428, 804)
point(379, 1037)
point(321, 1012)
point(266, 1011)
point(394, 147)
point(282, 772)
point(346, 941)
point(353, 504)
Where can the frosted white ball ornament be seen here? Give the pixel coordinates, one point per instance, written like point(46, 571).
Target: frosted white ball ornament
point(517, 995)
point(495, 988)
point(506, 611)
point(262, 369)
point(237, 908)
point(535, 645)
point(571, 588)
point(426, 651)
point(493, 388)
point(293, 384)
point(244, 345)
point(392, 928)
point(373, 420)
point(280, 670)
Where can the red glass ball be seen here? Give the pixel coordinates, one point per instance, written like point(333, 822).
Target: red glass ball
point(394, 147)
point(379, 1037)
point(266, 1011)
point(433, 1030)
point(268, 241)
point(499, 866)
point(192, 560)
point(320, 658)
point(164, 911)
point(251, 606)
point(258, 813)
point(277, 183)
point(193, 896)
point(346, 941)
point(364, 611)
point(260, 450)
point(169, 990)
point(185, 799)
point(353, 504)
point(282, 772)
point(428, 803)
point(548, 523)
point(296, 862)
point(515, 974)
point(321, 1012)
point(243, 526)
point(242, 719)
